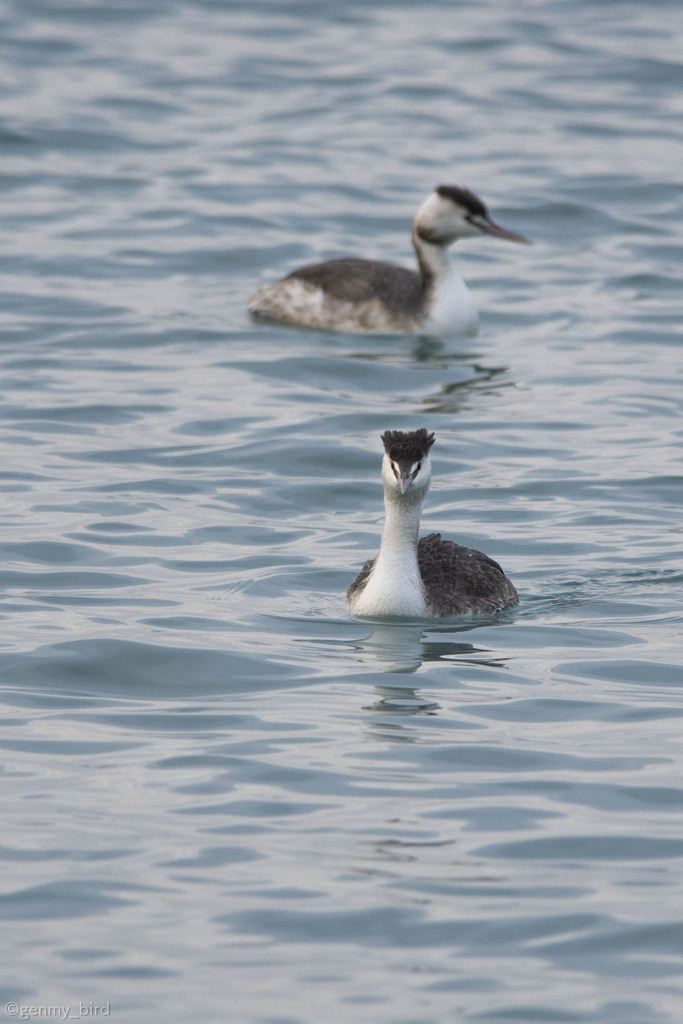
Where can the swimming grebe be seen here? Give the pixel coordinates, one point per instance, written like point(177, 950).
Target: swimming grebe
point(429, 577)
point(367, 297)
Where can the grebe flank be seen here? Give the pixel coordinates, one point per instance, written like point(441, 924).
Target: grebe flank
point(430, 577)
point(367, 297)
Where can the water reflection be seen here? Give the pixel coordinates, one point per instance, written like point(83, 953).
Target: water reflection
point(401, 700)
point(403, 647)
point(398, 650)
point(451, 397)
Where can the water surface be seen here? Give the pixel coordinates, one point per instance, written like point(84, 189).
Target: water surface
point(224, 799)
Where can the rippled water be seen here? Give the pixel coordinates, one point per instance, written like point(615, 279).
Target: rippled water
point(223, 799)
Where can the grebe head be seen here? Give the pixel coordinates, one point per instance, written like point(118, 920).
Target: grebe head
point(407, 466)
point(451, 213)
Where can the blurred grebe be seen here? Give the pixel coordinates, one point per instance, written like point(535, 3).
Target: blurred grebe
point(429, 577)
point(368, 297)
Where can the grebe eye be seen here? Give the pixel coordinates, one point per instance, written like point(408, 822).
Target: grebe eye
point(419, 467)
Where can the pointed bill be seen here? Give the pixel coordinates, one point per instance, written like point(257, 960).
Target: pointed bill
point(489, 228)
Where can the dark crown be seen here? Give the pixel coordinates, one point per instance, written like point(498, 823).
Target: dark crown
point(407, 446)
point(464, 197)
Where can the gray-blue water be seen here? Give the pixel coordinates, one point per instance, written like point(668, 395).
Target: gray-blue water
point(223, 799)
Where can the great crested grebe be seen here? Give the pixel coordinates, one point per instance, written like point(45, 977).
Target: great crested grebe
point(368, 297)
point(429, 577)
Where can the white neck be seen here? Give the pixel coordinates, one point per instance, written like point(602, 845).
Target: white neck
point(450, 308)
point(395, 586)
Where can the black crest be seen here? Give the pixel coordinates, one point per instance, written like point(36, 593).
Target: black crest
point(464, 197)
point(409, 446)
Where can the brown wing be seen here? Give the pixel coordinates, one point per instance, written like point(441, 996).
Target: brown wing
point(461, 580)
point(355, 280)
point(361, 579)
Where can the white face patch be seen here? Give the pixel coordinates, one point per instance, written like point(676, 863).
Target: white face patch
point(405, 473)
point(406, 481)
point(443, 220)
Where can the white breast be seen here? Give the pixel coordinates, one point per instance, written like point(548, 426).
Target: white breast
point(452, 311)
point(391, 590)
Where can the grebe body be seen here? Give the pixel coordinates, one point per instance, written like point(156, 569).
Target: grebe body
point(367, 297)
point(426, 577)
